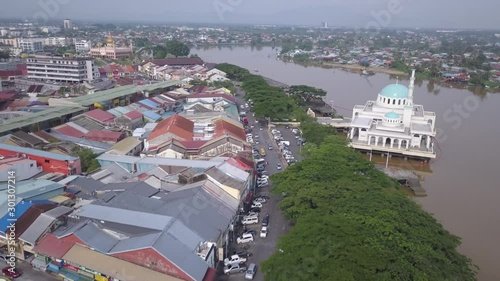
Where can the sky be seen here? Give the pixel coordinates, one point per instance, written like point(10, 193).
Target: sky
point(350, 13)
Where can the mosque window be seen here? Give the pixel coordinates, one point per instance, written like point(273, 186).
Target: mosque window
point(394, 101)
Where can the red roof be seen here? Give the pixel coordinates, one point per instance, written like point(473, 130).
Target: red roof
point(130, 68)
point(178, 61)
point(177, 125)
point(7, 95)
point(51, 246)
point(104, 135)
point(193, 144)
point(9, 73)
point(223, 127)
point(134, 114)
point(69, 131)
point(238, 164)
point(218, 95)
point(100, 115)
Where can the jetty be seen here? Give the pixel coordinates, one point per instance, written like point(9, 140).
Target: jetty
point(407, 178)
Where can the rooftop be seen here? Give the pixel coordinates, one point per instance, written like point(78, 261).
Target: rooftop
point(37, 117)
point(36, 152)
point(119, 92)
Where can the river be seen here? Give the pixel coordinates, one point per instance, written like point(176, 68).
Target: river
point(463, 188)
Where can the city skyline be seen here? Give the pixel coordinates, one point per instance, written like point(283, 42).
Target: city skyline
point(357, 13)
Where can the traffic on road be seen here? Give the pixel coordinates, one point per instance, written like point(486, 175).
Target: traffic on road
point(261, 225)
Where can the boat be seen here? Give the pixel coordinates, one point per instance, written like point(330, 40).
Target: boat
point(367, 73)
point(256, 70)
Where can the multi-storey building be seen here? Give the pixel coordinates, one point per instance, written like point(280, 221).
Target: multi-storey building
point(67, 24)
point(83, 46)
point(31, 45)
point(62, 69)
point(55, 41)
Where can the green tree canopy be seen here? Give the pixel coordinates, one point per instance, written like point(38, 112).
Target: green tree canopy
point(87, 159)
point(352, 222)
point(306, 92)
point(176, 48)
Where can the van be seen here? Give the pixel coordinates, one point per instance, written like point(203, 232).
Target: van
point(250, 220)
point(251, 270)
point(262, 152)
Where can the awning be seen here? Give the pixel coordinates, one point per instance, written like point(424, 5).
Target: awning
point(111, 266)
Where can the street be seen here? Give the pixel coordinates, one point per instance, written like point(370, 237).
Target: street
point(263, 248)
point(29, 274)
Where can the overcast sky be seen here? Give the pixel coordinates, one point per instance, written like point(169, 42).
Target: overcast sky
point(355, 13)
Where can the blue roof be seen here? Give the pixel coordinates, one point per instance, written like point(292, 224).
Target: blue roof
point(21, 208)
point(397, 91)
point(151, 115)
point(149, 103)
point(37, 152)
point(391, 115)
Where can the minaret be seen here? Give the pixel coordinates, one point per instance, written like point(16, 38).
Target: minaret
point(411, 88)
point(408, 109)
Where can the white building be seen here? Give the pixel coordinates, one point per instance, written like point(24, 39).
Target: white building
point(61, 69)
point(83, 46)
point(55, 41)
point(31, 45)
point(50, 29)
point(393, 124)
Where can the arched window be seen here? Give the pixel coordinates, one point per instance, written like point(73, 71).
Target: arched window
point(399, 102)
point(394, 101)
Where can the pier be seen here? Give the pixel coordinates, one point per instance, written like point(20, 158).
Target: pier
point(407, 178)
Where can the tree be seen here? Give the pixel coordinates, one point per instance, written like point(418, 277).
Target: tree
point(306, 92)
point(88, 160)
point(4, 55)
point(176, 48)
point(352, 222)
point(159, 52)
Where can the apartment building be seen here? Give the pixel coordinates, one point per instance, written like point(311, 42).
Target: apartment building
point(83, 46)
point(31, 45)
point(61, 69)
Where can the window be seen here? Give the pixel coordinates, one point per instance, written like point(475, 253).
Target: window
point(47, 161)
point(31, 165)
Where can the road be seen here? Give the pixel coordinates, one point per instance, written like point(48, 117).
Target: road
point(29, 274)
point(263, 248)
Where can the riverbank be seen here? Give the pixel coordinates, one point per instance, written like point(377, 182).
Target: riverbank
point(359, 68)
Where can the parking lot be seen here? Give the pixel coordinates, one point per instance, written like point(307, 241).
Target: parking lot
point(262, 248)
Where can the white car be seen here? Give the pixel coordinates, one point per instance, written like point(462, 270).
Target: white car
point(256, 205)
point(234, 259)
point(245, 238)
point(263, 232)
point(259, 200)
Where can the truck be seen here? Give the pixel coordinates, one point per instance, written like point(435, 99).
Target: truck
point(234, 259)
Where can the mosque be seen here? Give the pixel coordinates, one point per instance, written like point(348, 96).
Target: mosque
point(393, 124)
point(111, 51)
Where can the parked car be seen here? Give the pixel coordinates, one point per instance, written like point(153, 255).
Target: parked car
point(259, 200)
point(265, 220)
point(255, 210)
point(270, 147)
point(243, 254)
point(250, 220)
point(252, 214)
point(278, 166)
point(252, 269)
point(250, 231)
point(244, 238)
point(263, 232)
point(234, 259)
point(234, 268)
point(263, 197)
point(11, 272)
point(256, 205)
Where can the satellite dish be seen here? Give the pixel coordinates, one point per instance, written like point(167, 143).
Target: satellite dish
point(66, 95)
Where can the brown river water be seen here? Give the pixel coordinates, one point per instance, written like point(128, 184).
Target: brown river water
point(462, 183)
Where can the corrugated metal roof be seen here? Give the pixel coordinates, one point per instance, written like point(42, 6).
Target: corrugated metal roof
point(96, 238)
point(126, 217)
point(149, 103)
point(151, 115)
point(41, 224)
point(36, 152)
